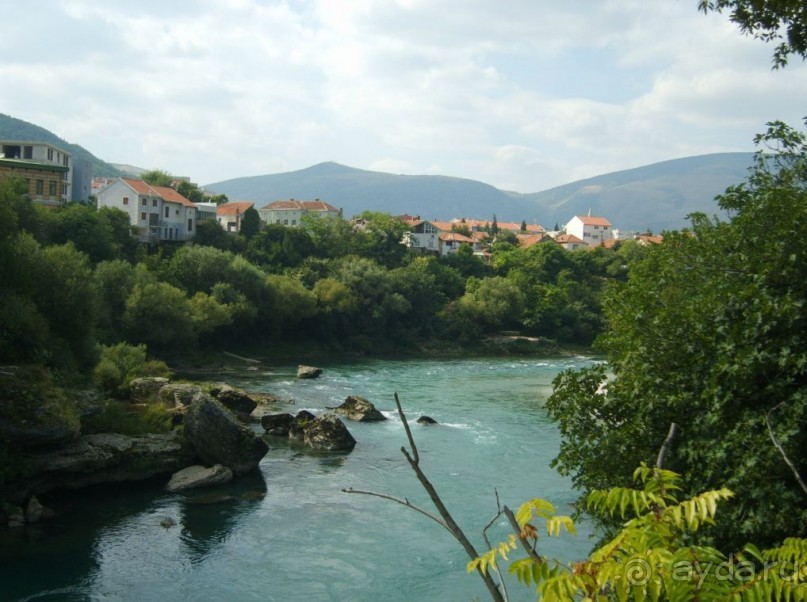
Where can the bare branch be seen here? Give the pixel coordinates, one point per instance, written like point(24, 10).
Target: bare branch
point(515, 526)
point(402, 502)
point(502, 585)
point(408, 433)
point(665, 447)
point(782, 449)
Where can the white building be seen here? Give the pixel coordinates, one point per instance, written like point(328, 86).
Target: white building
point(43, 154)
point(157, 212)
point(591, 230)
point(229, 215)
point(291, 212)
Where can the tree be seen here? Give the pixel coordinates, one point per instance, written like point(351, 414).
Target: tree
point(710, 332)
point(768, 20)
point(250, 223)
point(157, 177)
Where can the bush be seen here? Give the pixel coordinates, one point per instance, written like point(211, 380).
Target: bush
point(126, 419)
point(122, 363)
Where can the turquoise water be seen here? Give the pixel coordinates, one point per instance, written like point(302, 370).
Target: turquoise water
point(289, 532)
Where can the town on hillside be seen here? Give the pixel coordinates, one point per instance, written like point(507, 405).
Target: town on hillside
point(162, 213)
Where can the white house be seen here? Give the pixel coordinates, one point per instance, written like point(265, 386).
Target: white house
point(291, 212)
point(591, 230)
point(229, 214)
point(157, 212)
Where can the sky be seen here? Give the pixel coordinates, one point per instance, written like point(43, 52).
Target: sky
point(524, 95)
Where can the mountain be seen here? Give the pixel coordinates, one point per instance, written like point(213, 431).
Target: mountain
point(12, 128)
point(355, 190)
point(655, 197)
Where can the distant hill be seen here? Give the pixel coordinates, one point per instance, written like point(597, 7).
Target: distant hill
point(356, 190)
point(655, 197)
point(12, 128)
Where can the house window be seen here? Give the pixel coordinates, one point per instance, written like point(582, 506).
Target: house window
point(143, 200)
point(167, 209)
point(176, 212)
point(27, 152)
point(50, 154)
point(277, 221)
point(52, 188)
point(294, 222)
point(143, 216)
point(285, 222)
point(190, 225)
point(153, 202)
point(40, 186)
point(64, 161)
point(126, 200)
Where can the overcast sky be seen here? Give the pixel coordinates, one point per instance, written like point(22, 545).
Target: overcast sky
point(522, 94)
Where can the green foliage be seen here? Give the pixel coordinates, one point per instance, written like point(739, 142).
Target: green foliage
point(120, 364)
point(652, 557)
point(709, 331)
point(157, 177)
point(768, 20)
point(127, 419)
point(250, 223)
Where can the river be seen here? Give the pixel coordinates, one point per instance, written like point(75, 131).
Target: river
point(289, 532)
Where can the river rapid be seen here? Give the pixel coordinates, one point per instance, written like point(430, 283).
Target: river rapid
point(289, 532)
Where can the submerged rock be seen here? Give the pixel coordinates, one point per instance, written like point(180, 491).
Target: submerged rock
point(328, 433)
point(218, 437)
point(426, 420)
point(359, 409)
point(308, 371)
point(199, 476)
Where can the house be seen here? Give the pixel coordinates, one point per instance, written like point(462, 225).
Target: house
point(439, 238)
point(570, 242)
point(291, 212)
point(475, 225)
point(591, 230)
point(229, 215)
point(155, 212)
point(205, 210)
point(450, 242)
point(47, 169)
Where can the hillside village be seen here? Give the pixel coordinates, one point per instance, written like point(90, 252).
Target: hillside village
point(162, 213)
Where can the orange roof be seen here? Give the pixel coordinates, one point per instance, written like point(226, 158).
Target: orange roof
point(294, 205)
point(565, 239)
point(164, 192)
point(590, 220)
point(527, 240)
point(442, 226)
point(455, 237)
point(233, 208)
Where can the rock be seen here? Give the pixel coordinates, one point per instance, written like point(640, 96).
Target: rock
point(235, 400)
point(168, 522)
point(277, 424)
point(33, 512)
point(359, 409)
point(426, 420)
point(218, 437)
point(199, 476)
point(147, 388)
point(326, 432)
point(176, 395)
point(299, 424)
point(308, 371)
point(102, 458)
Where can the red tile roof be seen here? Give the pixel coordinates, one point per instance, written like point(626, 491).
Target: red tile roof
point(164, 192)
point(590, 220)
point(294, 205)
point(233, 208)
point(455, 237)
point(565, 239)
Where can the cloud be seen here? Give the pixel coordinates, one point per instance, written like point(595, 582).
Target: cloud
point(522, 95)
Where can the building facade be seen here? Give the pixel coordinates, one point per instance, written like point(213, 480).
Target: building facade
point(47, 168)
point(291, 212)
point(156, 213)
point(591, 230)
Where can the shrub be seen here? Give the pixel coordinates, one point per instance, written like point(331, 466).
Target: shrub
point(122, 363)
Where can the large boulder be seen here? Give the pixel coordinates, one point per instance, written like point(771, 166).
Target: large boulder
point(308, 371)
point(328, 433)
point(218, 437)
point(277, 424)
point(196, 476)
point(235, 400)
point(299, 424)
point(147, 389)
point(101, 458)
point(426, 420)
point(359, 409)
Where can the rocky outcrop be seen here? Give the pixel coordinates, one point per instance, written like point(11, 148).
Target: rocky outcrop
point(328, 433)
point(177, 395)
point(101, 458)
point(217, 436)
point(308, 371)
point(235, 400)
point(426, 420)
point(147, 389)
point(299, 424)
point(196, 476)
point(359, 409)
point(277, 424)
